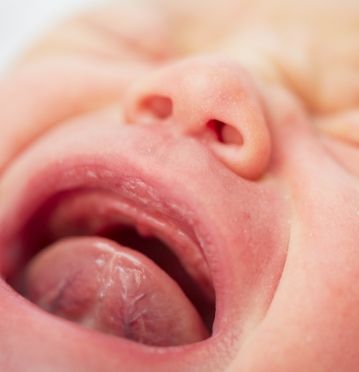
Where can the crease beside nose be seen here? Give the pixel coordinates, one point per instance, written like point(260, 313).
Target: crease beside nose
point(210, 99)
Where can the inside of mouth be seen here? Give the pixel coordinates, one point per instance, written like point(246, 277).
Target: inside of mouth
point(41, 233)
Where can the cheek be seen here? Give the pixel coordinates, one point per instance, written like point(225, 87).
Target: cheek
point(312, 323)
point(32, 101)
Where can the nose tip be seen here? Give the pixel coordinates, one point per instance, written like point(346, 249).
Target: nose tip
point(210, 99)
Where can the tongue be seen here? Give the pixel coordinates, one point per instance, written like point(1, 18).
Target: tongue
point(107, 287)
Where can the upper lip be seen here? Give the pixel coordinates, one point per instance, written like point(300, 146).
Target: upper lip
point(158, 172)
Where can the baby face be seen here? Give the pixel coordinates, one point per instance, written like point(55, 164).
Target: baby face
point(179, 191)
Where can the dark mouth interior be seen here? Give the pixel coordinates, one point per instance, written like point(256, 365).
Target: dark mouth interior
point(35, 238)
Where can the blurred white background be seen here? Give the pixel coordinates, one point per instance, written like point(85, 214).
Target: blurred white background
point(21, 21)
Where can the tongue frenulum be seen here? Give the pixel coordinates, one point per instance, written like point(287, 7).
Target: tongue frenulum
point(110, 288)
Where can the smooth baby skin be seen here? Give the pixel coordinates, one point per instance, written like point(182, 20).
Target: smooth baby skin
point(234, 150)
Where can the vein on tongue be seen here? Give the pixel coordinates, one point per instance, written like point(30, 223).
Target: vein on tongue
point(113, 289)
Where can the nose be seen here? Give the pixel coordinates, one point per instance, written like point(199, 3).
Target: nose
point(210, 99)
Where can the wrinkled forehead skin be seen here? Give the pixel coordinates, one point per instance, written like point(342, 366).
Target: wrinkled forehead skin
point(290, 300)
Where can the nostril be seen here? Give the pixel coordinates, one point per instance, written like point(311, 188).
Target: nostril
point(216, 126)
point(225, 133)
point(156, 106)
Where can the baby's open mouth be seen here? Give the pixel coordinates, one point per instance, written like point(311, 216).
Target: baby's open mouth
point(141, 234)
point(67, 267)
point(95, 243)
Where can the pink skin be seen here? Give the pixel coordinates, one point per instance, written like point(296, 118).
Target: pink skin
point(226, 168)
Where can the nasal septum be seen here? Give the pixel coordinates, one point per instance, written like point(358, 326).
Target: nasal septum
point(104, 286)
point(212, 100)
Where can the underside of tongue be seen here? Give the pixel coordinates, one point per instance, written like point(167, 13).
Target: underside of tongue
point(104, 286)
